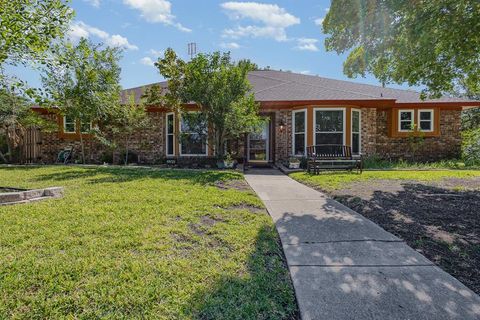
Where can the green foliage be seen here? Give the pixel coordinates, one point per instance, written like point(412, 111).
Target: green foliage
point(28, 27)
point(374, 162)
point(219, 87)
point(121, 123)
point(430, 43)
point(471, 146)
point(133, 243)
point(84, 81)
point(16, 116)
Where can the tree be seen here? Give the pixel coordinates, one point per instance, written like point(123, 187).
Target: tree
point(435, 44)
point(220, 89)
point(122, 122)
point(16, 116)
point(84, 84)
point(28, 28)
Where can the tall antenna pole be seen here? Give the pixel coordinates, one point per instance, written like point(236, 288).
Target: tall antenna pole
point(192, 49)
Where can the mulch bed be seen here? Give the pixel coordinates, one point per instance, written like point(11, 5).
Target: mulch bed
point(435, 218)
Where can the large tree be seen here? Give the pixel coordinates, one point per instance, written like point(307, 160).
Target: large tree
point(84, 84)
point(220, 89)
point(29, 27)
point(435, 44)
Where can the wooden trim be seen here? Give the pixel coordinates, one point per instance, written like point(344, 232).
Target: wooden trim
point(310, 126)
point(393, 123)
point(70, 135)
point(348, 128)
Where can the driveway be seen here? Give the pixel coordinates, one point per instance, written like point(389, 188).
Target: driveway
point(344, 266)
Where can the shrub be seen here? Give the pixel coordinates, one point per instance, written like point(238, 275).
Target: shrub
point(471, 146)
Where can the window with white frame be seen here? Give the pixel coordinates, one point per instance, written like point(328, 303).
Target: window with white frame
point(405, 120)
point(193, 139)
point(329, 126)
point(69, 125)
point(86, 127)
point(299, 133)
point(170, 134)
point(356, 137)
point(425, 120)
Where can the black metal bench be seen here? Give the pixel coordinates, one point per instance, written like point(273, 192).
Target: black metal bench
point(332, 157)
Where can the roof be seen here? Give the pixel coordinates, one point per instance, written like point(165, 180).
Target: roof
point(271, 86)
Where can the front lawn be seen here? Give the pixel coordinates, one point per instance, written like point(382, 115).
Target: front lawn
point(140, 243)
point(435, 212)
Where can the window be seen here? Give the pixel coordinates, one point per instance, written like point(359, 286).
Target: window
point(193, 134)
point(425, 120)
point(298, 133)
point(405, 120)
point(86, 127)
point(329, 126)
point(170, 134)
point(356, 138)
point(69, 125)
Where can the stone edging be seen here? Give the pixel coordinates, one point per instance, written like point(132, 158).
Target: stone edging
point(26, 196)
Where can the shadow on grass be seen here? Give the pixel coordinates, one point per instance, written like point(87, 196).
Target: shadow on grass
point(265, 292)
point(119, 174)
point(443, 224)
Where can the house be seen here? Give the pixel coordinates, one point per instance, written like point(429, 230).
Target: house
point(302, 110)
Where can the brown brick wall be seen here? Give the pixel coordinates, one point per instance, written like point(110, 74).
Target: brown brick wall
point(149, 145)
point(445, 146)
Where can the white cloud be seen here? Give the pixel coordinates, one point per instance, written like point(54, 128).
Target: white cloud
point(307, 44)
point(156, 11)
point(82, 30)
point(272, 18)
point(155, 53)
point(147, 61)
point(230, 45)
point(95, 3)
point(319, 21)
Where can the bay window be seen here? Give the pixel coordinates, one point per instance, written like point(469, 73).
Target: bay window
point(193, 140)
point(299, 137)
point(330, 126)
point(356, 137)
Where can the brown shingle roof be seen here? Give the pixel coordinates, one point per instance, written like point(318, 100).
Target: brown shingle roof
point(270, 85)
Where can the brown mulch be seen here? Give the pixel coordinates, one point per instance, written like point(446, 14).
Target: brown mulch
point(436, 219)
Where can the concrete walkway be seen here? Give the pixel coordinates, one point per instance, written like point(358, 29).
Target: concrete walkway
point(344, 266)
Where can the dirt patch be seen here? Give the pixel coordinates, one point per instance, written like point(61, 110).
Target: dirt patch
point(438, 219)
point(238, 184)
point(249, 207)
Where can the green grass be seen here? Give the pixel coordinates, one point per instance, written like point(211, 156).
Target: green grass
point(337, 180)
point(139, 243)
point(375, 163)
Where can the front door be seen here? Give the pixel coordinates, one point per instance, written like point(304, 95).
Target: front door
point(258, 145)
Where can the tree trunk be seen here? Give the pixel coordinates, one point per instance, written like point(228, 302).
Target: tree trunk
point(126, 149)
point(3, 157)
point(82, 146)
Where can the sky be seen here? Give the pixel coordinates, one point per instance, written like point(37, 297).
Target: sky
point(281, 34)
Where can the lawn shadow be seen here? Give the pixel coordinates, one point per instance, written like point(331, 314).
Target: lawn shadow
point(264, 292)
point(442, 224)
point(125, 174)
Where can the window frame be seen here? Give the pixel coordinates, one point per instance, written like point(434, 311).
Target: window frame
point(432, 118)
point(305, 130)
point(168, 134)
point(359, 130)
point(412, 121)
point(90, 125)
point(65, 125)
point(344, 112)
point(180, 141)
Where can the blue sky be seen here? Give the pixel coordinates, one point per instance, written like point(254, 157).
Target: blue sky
point(282, 34)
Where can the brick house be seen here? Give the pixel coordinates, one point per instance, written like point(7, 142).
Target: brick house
point(302, 110)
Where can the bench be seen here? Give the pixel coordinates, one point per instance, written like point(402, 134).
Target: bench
point(332, 157)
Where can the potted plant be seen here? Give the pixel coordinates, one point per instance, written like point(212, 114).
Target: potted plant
point(227, 163)
point(293, 163)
